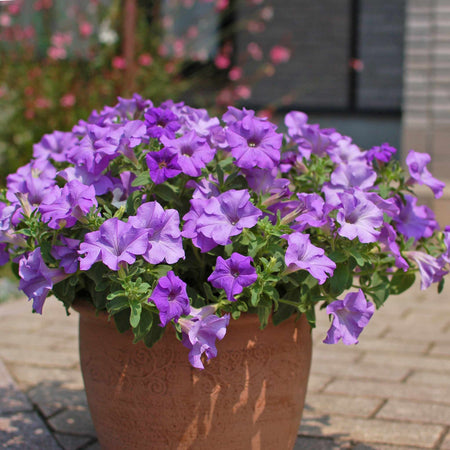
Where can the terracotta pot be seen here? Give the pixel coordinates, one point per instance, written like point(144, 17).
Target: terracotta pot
point(250, 397)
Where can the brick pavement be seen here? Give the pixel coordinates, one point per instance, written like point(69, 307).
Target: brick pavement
point(391, 391)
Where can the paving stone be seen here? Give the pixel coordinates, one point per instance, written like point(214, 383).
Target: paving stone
point(419, 362)
point(74, 421)
point(429, 378)
point(341, 354)
point(382, 447)
point(373, 430)
point(52, 397)
point(69, 442)
point(445, 445)
point(359, 370)
point(382, 389)
point(415, 412)
point(440, 350)
point(43, 358)
point(29, 376)
point(11, 398)
point(319, 404)
point(384, 345)
point(38, 340)
point(25, 431)
point(307, 443)
point(317, 382)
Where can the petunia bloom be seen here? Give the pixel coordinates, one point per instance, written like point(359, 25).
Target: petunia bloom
point(431, 269)
point(170, 298)
point(254, 142)
point(162, 165)
point(359, 217)
point(200, 332)
point(350, 316)
point(164, 235)
point(222, 217)
point(301, 254)
point(233, 274)
point(417, 163)
point(115, 242)
point(37, 279)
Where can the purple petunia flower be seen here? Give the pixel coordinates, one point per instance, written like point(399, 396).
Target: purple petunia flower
point(101, 183)
point(253, 142)
point(170, 298)
point(193, 152)
point(73, 202)
point(91, 152)
point(382, 153)
point(359, 217)
point(233, 274)
point(54, 146)
point(309, 138)
point(162, 165)
point(67, 254)
point(36, 279)
point(430, 268)
point(161, 122)
point(301, 254)
point(114, 243)
point(417, 163)
point(353, 175)
point(387, 238)
point(350, 316)
point(163, 228)
point(36, 179)
point(201, 331)
point(124, 139)
point(219, 218)
point(415, 221)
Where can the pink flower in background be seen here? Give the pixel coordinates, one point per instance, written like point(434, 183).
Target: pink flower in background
point(14, 8)
point(42, 103)
point(235, 73)
point(255, 51)
point(221, 5)
point(5, 20)
point(145, 59)
point(178, 48)
point(85, 29)
point(118, 62)
point(280, 54)
point(243, 92)
point(57, 53)
point(67, 101)
point(267, 13)
point(222, 62)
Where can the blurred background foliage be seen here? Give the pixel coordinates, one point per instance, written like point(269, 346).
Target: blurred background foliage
point(60, 60)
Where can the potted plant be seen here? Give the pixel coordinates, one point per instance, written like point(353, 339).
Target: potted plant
point(213, 242)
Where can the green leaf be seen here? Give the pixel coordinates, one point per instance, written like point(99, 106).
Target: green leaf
point(337, 256)
point(379, 295)
point(135, 313)
point(254, 299)
point(208, 292)
point(167, 192)
point(441, 285)
point(142, 179)
point(341, 280)
point(117, 304)
point(360, 260)
point(122, 320)
point(401, 281)
point(154, 335)
point(144, 325)
point(283, 312)
point(263, 315)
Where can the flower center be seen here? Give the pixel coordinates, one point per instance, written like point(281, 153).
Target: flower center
point(162, 165)
point(186, 150)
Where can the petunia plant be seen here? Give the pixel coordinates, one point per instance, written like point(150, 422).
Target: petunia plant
point(166, 217)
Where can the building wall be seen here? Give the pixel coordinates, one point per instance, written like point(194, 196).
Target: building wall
point(426, 104)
